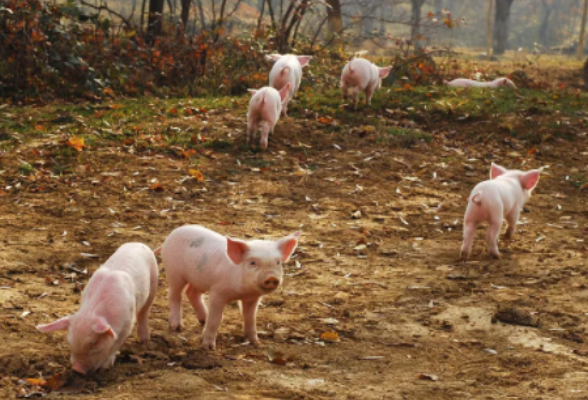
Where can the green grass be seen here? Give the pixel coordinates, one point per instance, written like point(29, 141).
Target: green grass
point(176, 121)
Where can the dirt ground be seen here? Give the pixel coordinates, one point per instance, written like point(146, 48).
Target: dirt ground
point(413, 322)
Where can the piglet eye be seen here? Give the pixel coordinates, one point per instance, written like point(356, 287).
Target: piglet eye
point(279, 263)
point(93, 343)
point(253, 263)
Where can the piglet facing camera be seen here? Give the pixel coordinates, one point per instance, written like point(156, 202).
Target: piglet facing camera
point(200, 260)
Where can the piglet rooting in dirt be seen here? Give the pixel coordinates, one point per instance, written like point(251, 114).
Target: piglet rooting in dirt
point(491, 201)
point(360, 75)
point(121, 289)
point(228, 269)
point(264, 109)
point(287, 70)
point(496, 83)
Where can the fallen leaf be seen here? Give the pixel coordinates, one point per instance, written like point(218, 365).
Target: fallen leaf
point(36, 381)
point(157, 187)
point(330, 336)
point(76, 143)
point(197, 175)
point(278, 357)
point(56, 382)
point(429, 377)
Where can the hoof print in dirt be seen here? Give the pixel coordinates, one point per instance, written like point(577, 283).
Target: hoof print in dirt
point(516, 316)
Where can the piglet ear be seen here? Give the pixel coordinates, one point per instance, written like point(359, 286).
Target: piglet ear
point(303, 60)
point(287, 245)
point(530, 179)
point(496, 170)
point(102, 328)
point(60, 324)
point(284, 92)
point(383, 72)
point(236, 250)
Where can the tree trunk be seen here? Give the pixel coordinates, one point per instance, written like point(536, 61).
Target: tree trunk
point(501, 23)
point(186, 12)
point(582, 31)
point(334, 21)
point(154, 22)
point(585, 74)
point(415, 21)
point(438, 7)
point(382, 24)
point(201, 14)
point(489, 31)
point(543, 28)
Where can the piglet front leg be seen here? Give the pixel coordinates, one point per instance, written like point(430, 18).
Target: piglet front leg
point(216, 306)
point(249, 309)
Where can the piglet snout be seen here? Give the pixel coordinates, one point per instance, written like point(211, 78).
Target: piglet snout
point(271, 283)
point(78, 367)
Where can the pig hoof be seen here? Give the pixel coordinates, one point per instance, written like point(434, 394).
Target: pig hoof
point(176, 328)
point(202, 322)
point(209, 345)
point(495, 256)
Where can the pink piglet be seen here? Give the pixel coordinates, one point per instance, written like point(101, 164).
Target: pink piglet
point(118, 293)
point(264, 109)
point(492, 201)
point(360, 75)
point(198, 260)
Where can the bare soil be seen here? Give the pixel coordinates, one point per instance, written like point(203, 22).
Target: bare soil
point(413, 321)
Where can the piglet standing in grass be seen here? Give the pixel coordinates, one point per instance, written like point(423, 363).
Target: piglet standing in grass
point(120, 290)
point(492, 201)
point(360, 75)
point(287, 70)
point(264, 109)
point(496, 83)
point(228, 269)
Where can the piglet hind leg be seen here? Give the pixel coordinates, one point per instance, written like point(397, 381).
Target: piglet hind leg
point(143, 321)
point(492, 236)
point(216, 306)
point(369, 92)
point(176, 287)
point(469, 233)
point(195, 298)
point(512, 220)
point(249, 309)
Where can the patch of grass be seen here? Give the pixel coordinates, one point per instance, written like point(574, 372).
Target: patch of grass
point(408, 137)
point(25, 168)
point(257, 162)
point(219, 145)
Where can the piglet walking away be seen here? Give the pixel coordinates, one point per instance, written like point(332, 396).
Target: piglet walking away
point(287, 70)
point(496, 83)
point(264, 109)
point(360, 75)
point(229, 269)
point(122, 288)
point(503, 196)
